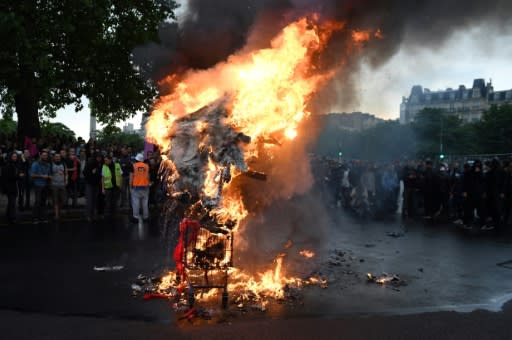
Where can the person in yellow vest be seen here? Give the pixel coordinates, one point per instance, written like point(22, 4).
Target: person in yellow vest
point(139, 185)
point(111, 183)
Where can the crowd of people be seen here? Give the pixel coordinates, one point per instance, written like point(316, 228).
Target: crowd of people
point(472, 194)
point(49, 177)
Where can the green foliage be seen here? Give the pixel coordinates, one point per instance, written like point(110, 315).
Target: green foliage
point(109, 130)
point(433, 127)
point(114, 136)
point(56, 52)
point(491, 135)
point(495, 129)
point(423, 137)
point(7, 128)
point(51, 131)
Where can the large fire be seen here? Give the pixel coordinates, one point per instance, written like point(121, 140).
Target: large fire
point(267, 92)
point(268, 89)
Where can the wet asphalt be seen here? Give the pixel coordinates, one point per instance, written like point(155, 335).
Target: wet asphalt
point(47, 272)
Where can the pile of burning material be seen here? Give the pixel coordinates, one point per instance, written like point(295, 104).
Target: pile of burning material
point(206, 124)
point(149, 287)
point(204, 151)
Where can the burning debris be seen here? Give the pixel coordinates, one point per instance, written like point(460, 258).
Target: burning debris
point(307, 253)
point(205, 149)
point(386, 279)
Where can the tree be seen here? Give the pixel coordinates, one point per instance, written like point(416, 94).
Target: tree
point(495, 129)
point(54, 52)
point(435, 129)
point(7, 128)
point(56, 130)
point(114, 136)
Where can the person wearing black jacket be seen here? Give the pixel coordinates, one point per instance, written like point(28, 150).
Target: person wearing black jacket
point(24, 165)
point(431, 190)
point(457, 201)
point(126, 167)
point(495, 193)
point(92, 178)
point(507, 209)
point(10, 177)
point(411, 189)
point(474, 193)
point(444, 190)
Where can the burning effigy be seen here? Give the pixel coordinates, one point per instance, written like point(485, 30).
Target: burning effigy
point(213, 128)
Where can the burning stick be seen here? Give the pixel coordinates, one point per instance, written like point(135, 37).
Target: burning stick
point(256, 175)
point(384, 279)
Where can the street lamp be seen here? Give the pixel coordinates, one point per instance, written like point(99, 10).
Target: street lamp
point(441, 155)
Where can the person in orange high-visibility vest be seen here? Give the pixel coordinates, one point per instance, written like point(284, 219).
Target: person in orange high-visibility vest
point(139, 184)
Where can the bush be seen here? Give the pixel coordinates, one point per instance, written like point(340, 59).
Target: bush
point(114, 136)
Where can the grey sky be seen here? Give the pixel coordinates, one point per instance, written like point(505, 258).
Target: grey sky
point(481, 52)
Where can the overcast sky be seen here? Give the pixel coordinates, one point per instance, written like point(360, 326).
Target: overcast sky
point(480, 52)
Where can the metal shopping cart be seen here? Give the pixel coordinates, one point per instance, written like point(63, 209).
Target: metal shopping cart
point(207, 257)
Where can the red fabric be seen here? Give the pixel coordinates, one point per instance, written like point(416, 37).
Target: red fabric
point(189, 314)
point(31, 147)
point(180, 248)
point(149, 296)
point(74, 176)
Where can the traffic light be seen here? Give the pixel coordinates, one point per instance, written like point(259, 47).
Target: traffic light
point(441, 156)
point(340, 153)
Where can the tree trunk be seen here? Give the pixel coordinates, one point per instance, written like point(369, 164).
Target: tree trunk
point(28, 115)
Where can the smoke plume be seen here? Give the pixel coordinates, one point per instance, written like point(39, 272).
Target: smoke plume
point(210, 31)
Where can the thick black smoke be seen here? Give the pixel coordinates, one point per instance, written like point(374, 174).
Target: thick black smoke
point(212, 30)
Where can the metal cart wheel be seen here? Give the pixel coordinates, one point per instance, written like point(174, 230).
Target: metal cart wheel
point(225, 298)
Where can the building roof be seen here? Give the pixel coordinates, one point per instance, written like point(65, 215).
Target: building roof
point(479, 90)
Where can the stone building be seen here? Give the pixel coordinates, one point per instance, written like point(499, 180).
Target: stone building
point(466, 103)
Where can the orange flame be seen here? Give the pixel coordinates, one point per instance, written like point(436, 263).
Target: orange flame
point(307, 253)
point(268, 89)
point(270, 283)
point(360, 36)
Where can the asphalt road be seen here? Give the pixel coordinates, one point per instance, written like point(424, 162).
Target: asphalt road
point(455, 289)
